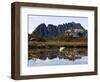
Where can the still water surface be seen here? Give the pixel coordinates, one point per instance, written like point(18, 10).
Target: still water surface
point(48, 57)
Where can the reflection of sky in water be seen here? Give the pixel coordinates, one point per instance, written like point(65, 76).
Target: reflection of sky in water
point(69, 56)
point(57, 61)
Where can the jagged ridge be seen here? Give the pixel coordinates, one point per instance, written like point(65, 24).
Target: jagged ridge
point(53, 31)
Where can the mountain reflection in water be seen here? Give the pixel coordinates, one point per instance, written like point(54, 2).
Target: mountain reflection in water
point(70, 56)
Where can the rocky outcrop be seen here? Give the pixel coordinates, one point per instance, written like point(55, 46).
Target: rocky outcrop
point(53, 31)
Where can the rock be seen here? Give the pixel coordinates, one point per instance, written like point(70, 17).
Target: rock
point(53, 31)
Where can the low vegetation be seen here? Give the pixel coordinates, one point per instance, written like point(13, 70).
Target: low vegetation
point(55, 44)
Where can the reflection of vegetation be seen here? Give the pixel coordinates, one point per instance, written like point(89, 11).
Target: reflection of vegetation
point(42, 48)
point(69, 53)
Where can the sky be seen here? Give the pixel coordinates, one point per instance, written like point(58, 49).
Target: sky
point(34, 21)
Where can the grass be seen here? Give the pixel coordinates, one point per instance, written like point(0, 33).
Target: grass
point(56, 44)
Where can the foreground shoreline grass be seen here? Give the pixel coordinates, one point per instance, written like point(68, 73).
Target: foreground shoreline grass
point(55, 44)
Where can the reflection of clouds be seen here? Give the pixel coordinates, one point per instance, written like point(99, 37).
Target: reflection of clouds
point(69, 53)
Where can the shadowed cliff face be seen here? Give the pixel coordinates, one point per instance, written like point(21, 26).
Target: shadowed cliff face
point(52, 31)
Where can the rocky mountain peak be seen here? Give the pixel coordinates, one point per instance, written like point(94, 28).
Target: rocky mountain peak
point(54, 31)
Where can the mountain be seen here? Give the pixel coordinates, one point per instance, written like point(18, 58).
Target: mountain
point(51, 31)
point(74, 25)
point(41, 30)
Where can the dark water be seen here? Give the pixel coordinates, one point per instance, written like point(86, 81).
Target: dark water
point(47, 57)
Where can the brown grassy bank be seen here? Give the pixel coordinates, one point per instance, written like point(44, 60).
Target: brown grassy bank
point(55, 44)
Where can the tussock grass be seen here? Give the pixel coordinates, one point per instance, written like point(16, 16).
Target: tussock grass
point(56, 44)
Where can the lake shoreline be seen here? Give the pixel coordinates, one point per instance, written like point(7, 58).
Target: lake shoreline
point(56, 44)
